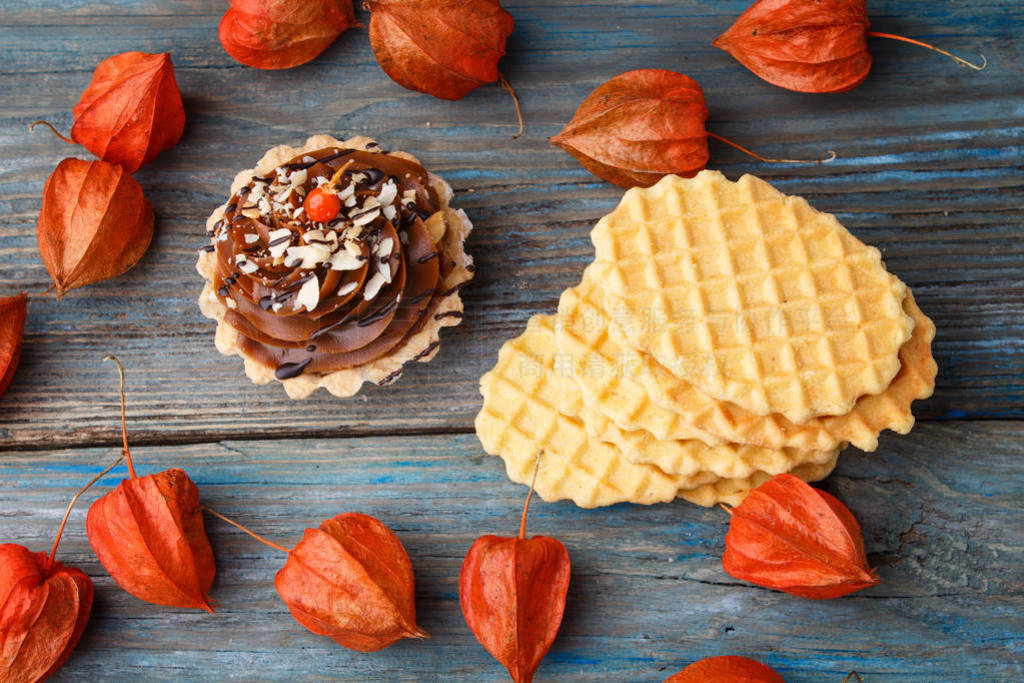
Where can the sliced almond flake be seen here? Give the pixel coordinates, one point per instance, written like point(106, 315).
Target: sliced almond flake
point(388, 192)
point(343, 260)
point(307, 158)
point(299, 177)
point(309, 295)
point(231, 303)
point(247, 267)
point(353, 248)
point(331, 235)
point(384, 247)
point(251, 213)
point(390, 212)
point(282, 197)
point(313, 235)
point(366, 218)
point(385, 270)
point(264, 205)
point(409, 195)
point(276, 307)
point(358, 177)
point(308, 256)
point(349, 190)
point(347, 289)
point(350, 202)
point(373, 286)
point(251, 238)
point(370, 202)
point(297, 212)
point(277, 250)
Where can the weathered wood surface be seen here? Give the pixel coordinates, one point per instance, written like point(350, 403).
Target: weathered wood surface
point(648, 593)
point(930, 169)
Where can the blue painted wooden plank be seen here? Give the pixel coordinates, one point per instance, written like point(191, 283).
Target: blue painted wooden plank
point(929, 169)
point(940, 511)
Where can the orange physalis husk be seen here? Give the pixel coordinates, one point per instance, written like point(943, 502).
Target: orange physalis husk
point(351, 580)
point(444, 48)
point(792, 537)
point(44, 607)
point(131, 111)
point(642, 125)
point(148, 533)
point(280, 34)
point(13, 311)
point(816, 47)
point(94, 224)
point(729, 668)
point(512, 591)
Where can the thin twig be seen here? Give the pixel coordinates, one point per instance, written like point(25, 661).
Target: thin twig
point(831, 155)
point(251, 533)
point(74, 499)
point(959, 60)
point(124, 424)
point(515, 100)
point(32, 126)
point(533, 482)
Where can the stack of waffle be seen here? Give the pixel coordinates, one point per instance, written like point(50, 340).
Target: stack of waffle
point(724, 333)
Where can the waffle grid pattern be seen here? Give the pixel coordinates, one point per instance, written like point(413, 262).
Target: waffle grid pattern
point(523, 400)
point(609, 390)
point(870, 415)
point(773, 306)
point(608, 374)
point(521, 415)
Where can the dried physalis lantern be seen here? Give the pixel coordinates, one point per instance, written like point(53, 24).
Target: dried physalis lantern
point(444, 48)
point(280, 34)
point(44, 607)
point(148, 533)
point(13, 311)
point(642, 125)
point(131, 111)
point(512, 591)
point(726, 668)
point(349, 579)
point(94, 223)
point(817, 47)
point(792, 537)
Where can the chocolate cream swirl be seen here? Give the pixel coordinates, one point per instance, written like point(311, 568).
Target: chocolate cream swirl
point(310, 297)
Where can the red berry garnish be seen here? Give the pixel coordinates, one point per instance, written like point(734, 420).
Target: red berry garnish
point(322, 206)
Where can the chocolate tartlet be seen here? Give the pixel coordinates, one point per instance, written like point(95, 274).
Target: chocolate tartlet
point(344, 301)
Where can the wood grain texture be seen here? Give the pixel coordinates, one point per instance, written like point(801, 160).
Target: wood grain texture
point(929, 169)
point(648, 593)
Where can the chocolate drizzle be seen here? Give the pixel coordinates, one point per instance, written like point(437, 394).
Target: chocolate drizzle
point(390, 378)
point(426, 352)
point(379, 314)
point(289, 370)
point(278, 316)
point(373, 175)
